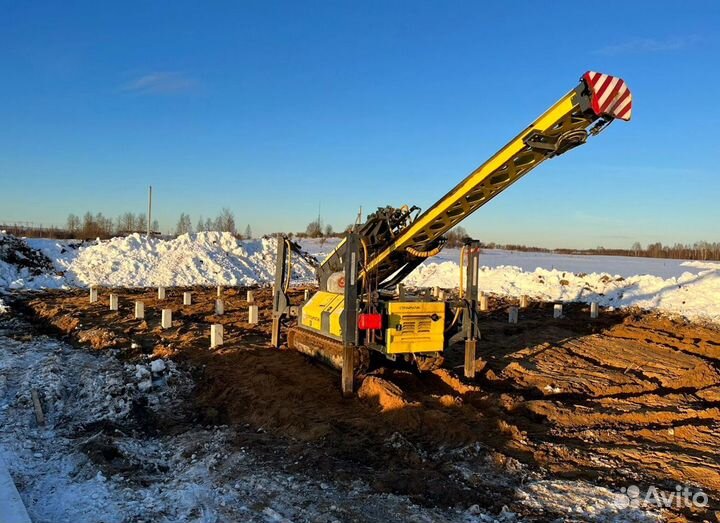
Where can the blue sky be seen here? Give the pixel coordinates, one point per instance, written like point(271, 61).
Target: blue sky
point(273, 108)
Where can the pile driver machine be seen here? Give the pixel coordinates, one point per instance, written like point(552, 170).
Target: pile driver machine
point(358, 311)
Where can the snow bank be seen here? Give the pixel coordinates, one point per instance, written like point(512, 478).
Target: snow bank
point(695, 296)
point(701, 264)
point(207, 258)
point(12, 277)
point(20, 264)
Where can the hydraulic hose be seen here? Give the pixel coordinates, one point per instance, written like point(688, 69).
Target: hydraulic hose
point(289, 263)
point(424, 254)
point(461, 290)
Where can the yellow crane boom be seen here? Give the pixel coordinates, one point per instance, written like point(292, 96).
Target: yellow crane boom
point(585, 110)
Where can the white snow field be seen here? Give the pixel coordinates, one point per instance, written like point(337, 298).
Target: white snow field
point(687, 288)
point(695, 296)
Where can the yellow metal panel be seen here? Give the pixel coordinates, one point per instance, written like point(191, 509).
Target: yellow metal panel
point(312, 310)
point(335, 324)
point(411, 327)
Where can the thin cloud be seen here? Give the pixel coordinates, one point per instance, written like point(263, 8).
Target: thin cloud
point(648, 45)
point(161, 82)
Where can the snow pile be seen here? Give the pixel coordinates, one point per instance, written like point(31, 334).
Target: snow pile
point(3, 308)
point(20, 264)
point(702, 264)
point(13, 277)
point(207, 258)
point(694, 296)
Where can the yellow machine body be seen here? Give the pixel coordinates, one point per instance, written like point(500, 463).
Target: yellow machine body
point(412, 326)
point(321, 313)
point(415, 326)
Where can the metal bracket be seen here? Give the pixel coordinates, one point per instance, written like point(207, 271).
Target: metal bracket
point(556, 145)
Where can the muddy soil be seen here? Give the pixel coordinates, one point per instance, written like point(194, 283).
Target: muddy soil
point(629, 398)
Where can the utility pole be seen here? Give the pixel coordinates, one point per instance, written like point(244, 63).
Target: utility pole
point(149, 216)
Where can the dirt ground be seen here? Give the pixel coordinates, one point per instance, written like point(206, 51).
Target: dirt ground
point(629, 398)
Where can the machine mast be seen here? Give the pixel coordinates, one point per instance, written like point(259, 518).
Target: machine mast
point(396, 242)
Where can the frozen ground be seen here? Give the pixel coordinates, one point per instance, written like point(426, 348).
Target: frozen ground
point(98, 459)
point(690, 289)
point(118, 446)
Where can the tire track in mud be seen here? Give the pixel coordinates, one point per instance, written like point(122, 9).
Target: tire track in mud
point(629, 398)
point(640, 398)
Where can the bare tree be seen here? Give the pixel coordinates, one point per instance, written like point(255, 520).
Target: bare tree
point(126, 222)
point(104, 225)
point(140, 223)
point(456, 237)
point(184, 225)
point(314, 229)
point(88, 225)
point(225, 222)
point(248, 232)
point(73, 224)
point(328, 230)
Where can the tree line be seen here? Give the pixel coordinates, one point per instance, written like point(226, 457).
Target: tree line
point(99, 226)
point(89, 226)
point(92, 226)
point(701, 250)
point(223, 222)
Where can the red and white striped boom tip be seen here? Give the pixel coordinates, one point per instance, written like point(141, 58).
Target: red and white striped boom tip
point(610, 95)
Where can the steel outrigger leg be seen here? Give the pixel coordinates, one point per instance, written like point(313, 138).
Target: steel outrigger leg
point(351, 259)
point(470, 315)
point(280, 300)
